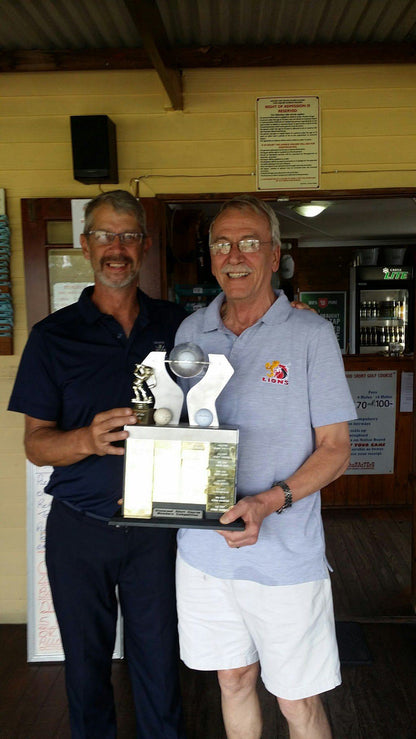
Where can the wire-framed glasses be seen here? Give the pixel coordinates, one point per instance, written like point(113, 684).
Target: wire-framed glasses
point(104, 238)
point(244, 245)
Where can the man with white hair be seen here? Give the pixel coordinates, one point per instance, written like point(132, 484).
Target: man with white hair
point(262, 597)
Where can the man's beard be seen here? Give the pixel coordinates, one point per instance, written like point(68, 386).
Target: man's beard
point(107, 281)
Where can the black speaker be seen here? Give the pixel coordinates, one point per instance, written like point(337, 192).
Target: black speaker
point(94, 149)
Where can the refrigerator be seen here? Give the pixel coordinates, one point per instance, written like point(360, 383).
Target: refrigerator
point(381, 310)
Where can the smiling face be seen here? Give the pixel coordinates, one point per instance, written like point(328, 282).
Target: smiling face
point(115, 265)
point(245, 277)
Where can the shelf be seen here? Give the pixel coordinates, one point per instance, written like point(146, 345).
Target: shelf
point(397, 321)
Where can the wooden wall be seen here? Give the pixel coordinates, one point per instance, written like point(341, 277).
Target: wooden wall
point(368, 141)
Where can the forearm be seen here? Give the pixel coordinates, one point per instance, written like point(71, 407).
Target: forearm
point(328, 462)
point(52, 446)
point(46, 444)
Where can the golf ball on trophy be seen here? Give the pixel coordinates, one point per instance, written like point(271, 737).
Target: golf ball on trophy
point(204, 417)
point(162, 416)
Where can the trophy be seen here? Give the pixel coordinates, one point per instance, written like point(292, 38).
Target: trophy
point(177, 474)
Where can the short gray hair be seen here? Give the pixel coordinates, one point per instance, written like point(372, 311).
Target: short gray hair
point(250, 202)
point(122, 201)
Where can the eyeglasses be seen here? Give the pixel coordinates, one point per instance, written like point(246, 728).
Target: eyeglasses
point(104, 238)
point(246, 246)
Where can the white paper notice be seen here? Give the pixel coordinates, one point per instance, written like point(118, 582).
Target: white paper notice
point(406, 393)
point(65, 293)
point(373, 433)
point(288, 143)
point(78, 220)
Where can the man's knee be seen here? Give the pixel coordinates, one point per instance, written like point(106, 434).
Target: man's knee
point(239, 680)
point(300, 712)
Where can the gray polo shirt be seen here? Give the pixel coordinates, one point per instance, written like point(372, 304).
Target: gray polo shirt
point(288, 379)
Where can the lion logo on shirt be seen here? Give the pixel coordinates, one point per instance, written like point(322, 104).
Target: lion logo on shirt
point(277, 373)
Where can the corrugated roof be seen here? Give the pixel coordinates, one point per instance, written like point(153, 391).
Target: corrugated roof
point(71, 24)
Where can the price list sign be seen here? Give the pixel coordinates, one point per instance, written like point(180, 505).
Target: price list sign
point(372, 434)
point(288, 143)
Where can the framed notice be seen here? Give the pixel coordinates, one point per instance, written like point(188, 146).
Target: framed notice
point(288, 143)
point(331, 306)
point(43, 637)
point(372, 434)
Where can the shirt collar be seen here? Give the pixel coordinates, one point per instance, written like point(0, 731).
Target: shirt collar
point(91, 313)
point(277, 313)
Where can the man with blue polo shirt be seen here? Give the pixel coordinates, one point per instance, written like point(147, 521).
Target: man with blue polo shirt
point(262, 596)
point(74, 385)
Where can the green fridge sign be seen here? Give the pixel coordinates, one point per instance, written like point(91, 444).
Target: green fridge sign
point(331, 306)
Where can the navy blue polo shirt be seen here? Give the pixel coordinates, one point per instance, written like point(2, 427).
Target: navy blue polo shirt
point(78, 362)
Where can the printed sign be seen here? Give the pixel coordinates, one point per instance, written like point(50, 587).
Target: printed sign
point(372, 434)
point(288, 143)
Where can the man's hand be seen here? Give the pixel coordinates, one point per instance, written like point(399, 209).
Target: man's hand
point(253, 511)
point(106, 428)
point(302, 306)
point(46, 444)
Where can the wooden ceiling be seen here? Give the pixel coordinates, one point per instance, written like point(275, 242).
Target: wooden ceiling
point(172, 35)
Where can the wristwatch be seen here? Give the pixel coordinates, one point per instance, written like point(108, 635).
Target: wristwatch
point(288, 495)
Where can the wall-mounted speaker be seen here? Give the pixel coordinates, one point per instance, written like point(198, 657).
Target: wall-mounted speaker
point(94, 149)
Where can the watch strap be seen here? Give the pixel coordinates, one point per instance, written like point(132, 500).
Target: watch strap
point(287, 493)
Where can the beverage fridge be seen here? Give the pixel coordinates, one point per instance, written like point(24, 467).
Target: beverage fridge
point(381, 310)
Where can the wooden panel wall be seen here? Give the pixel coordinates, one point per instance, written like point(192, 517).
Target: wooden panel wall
point(368, 141)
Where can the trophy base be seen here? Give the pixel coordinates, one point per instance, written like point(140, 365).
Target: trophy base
point(143, 413)
point(177, 522)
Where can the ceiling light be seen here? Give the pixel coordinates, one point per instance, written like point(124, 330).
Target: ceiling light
point(312, 209)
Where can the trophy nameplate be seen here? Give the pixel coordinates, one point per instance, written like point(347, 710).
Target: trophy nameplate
point(175, 474)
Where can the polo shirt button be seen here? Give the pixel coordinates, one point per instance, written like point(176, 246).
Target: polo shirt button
point(119, 336)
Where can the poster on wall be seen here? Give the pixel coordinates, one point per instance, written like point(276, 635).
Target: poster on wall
point(287, 143)
point(332, 306)
point(78, 220)
point(372, 434)
point(43, 637)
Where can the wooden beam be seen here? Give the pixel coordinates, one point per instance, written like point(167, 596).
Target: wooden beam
point(282, 55)
point(148, 21)
point(68, 60)
point(65, 60)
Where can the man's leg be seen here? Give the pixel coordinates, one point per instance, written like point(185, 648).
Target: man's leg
point(83, 589)
point(306, 718)
point(240, 703)
point(147, 598)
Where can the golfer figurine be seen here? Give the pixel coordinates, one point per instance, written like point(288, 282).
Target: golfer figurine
point(143, 401)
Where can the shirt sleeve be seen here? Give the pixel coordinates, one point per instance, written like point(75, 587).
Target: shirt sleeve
point(35, 390)
point(330, 399)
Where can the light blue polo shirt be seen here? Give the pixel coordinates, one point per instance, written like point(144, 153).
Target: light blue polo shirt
point(288, 378)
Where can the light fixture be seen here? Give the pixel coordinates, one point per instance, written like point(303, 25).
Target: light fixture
point(312, 209)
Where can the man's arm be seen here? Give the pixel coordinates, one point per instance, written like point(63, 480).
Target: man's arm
point(328, 462)
point(46, 444)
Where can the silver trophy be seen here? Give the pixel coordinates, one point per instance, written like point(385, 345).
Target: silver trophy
point(179, 474)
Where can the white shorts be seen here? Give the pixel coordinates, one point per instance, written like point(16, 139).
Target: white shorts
point(289, 629)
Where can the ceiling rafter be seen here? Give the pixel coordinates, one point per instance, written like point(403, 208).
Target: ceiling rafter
point(148, 21)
